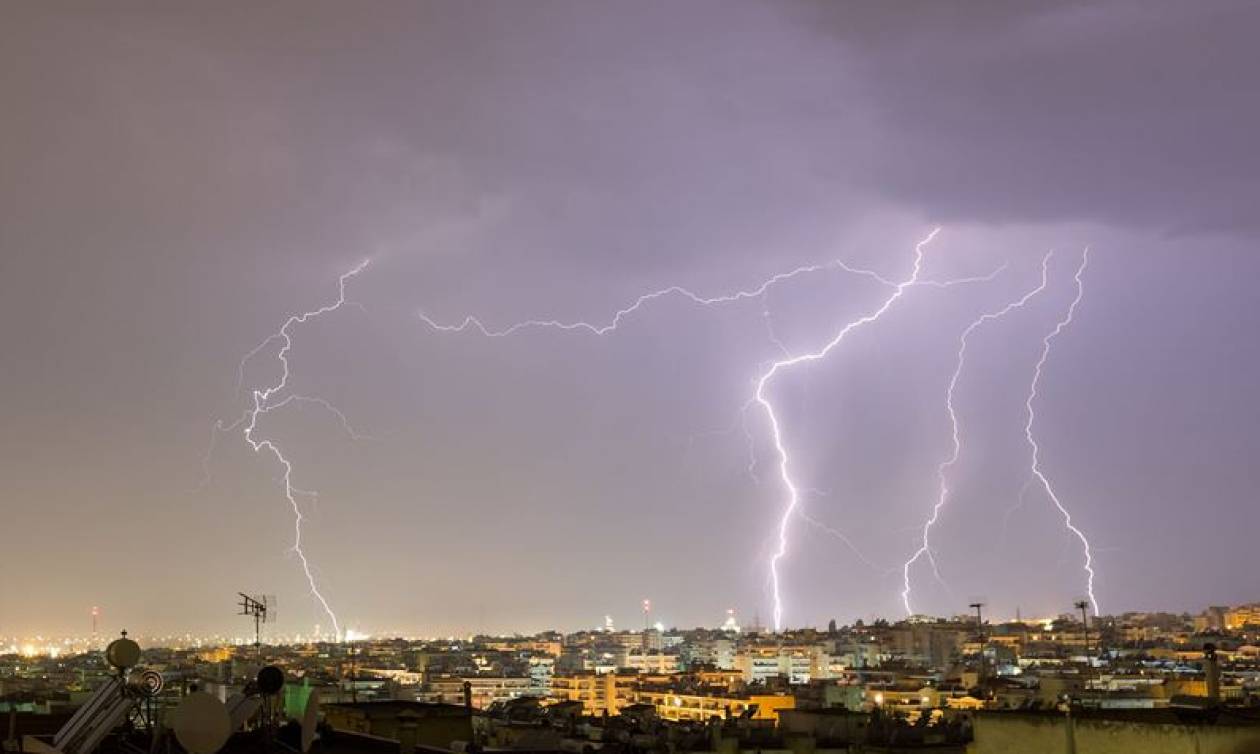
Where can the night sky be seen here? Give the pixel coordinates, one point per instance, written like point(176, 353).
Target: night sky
point(176, 182)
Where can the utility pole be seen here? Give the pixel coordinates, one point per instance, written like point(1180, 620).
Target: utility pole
point(977, 606)
point(1083, 606)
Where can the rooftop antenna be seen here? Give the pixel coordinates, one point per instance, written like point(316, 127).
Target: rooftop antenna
point(269, 682)
point(262, 693)
point(111, 703)
point(260, 607)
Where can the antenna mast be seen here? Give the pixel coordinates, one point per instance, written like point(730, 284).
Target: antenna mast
point(257, 607)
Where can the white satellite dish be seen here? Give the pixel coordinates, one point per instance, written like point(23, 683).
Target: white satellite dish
point(310, 719)
point(122, 653)
point(202, 724)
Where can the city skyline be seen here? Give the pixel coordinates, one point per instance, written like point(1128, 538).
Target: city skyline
point(43, 644)
point(780, 308)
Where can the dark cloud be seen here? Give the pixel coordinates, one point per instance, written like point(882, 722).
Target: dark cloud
point(1133, 113)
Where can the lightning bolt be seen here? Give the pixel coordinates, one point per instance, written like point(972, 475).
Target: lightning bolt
point(1036, 471)
point(776, 431)
point(612, 324)
point(942, 470)
point(330, 408)
point(673, 290)
point(763, 382)
point(848, 542)
point(262, 404)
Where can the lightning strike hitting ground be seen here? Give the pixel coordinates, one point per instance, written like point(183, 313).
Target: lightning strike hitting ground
point(261, 404)
point(925, 549)
point(763, 381)
point(785, 473)
point(1032, 417)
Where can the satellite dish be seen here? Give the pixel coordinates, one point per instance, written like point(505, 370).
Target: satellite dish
point(270, 680)
point(202, 724)
point(240, 708)
point(147, 682)
point(310, 719)
point(122, 653)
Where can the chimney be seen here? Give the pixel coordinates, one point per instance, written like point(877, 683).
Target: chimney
point(468, 695)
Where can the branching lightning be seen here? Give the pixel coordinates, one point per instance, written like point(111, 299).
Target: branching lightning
point(1036, 471)
point(275, 396)
point(785, 472)
point(475, 323)
point(845, 538)
point(330, 408)
point(262, 403)
point(925, 549)
point(763, 382)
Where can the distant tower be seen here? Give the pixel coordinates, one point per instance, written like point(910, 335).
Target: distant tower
point(96, 614)
point(647, 625)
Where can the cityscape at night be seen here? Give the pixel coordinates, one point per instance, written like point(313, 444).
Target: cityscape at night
point(732, 376)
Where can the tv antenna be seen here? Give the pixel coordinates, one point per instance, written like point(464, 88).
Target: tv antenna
point(262, 608)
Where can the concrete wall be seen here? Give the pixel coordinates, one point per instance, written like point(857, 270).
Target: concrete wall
point(1050, 734)
point(437, 729)
point(827, 727)
point(1023, 734)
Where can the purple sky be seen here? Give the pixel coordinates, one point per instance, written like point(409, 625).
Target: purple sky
point(174, 183)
